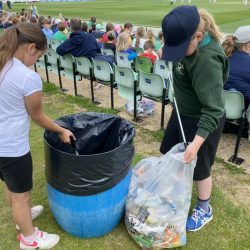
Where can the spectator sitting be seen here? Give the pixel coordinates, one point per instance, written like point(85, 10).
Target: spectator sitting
point(124, 45)
point(41, 20)
point(79, 43)
point(24, 20)
point(92, 28)
point(33, 19)
point(109, 27)
point(150, 36)
point(59, 35)
point(117, 29)
point(46, 29)
point(99, 40)
point(149, 51)
point(15, 21)
point(139, 41)
point(128, 28)
point(237, 48)
point(8, 23)
point(85, 27)
point(54, 26)
point(98, 33)
point(110, 44)
point(159, 41)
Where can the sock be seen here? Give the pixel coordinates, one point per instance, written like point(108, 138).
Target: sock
point(31, 238)
point(204, 204)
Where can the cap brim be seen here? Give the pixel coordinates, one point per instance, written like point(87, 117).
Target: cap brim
point(175, 53)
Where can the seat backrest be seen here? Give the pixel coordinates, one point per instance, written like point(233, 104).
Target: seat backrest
point(52, 56)
point(161, 68)
point(54, 44)
point(151, 84)
point(66, 61)
point(83, 65)
point(125, 79)
point(102, 70)
point(139, 50)
point(170, 95)
point(107, 52)
point(248, 114)
point(122, 59)
point(144, 64)
point(234, 104)
point(48, 43)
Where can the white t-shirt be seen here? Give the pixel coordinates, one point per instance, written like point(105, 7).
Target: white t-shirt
point(141, 45)
point(16, 82)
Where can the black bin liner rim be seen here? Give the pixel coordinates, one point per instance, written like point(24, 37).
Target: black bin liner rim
point(89, 155)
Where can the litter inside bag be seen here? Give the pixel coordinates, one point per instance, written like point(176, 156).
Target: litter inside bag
point(159, 200)
point(145, 107)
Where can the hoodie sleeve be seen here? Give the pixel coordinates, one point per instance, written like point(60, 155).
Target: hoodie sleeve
point(65, 48)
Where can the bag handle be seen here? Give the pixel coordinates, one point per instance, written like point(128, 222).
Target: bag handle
point(170, 66)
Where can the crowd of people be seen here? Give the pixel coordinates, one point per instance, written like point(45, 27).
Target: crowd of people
point(83, 38)
point(200, 70)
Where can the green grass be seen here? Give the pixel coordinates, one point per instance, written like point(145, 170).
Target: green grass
point(229, 229)
point(228, 14)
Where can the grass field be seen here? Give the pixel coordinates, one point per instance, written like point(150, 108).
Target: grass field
point(229, 230)
point(228, 14)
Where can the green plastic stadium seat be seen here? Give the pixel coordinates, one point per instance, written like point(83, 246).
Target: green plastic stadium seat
point(153, 87)
point(103, 73)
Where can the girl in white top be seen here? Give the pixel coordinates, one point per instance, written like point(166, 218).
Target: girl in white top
point(21, 97)
point(139, 40)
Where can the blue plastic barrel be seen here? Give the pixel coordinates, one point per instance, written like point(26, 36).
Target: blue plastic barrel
point(87, 191)
point(89, 216)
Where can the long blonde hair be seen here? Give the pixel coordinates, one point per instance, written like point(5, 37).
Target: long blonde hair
point(207, 24)
point(123, 41)
point(229, 45)
point(15, 36)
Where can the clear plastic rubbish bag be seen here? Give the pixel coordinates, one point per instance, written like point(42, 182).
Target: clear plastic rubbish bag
point(159, 199)
point(145, 107)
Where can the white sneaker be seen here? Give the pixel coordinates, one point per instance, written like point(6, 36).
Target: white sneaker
point(43, 241)
point(35, 212)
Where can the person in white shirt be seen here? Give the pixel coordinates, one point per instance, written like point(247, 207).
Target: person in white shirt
point(139, 40)
point(21, 97)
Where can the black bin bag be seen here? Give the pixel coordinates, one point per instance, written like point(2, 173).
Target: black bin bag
point(105, 147)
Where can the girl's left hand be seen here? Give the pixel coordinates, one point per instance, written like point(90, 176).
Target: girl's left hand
point(65, 135)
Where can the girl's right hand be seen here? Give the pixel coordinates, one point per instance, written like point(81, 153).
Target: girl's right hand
point(65, 135)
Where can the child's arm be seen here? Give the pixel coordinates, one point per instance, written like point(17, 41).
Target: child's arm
point(34, 106)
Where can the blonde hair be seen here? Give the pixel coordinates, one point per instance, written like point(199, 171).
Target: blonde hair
point(207, 24)
point(150, 36)
point(123, 41)
point(229, 45)
point(22, 33)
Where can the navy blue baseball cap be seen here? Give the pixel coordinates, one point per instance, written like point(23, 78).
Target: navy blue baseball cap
point(178, 27)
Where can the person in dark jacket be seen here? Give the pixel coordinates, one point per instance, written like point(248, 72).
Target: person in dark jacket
point(79, 43)
point(237, 48)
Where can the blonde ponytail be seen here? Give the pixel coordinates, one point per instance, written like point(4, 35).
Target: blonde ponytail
point(207, 24)
point(229, 45)
point(13, 37)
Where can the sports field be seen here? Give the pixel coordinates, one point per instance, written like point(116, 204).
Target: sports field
point(228, 14)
